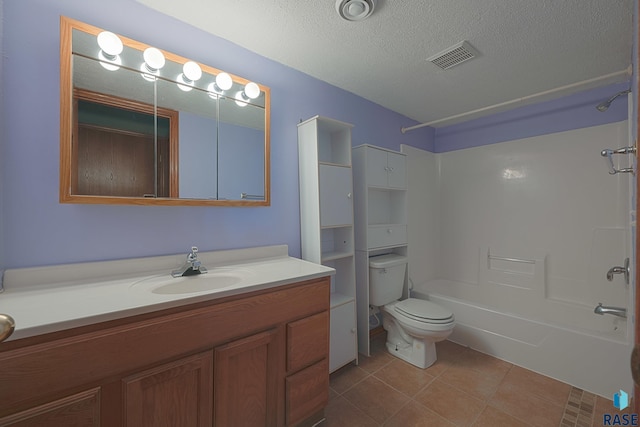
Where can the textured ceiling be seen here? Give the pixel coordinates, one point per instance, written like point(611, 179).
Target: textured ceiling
point(526, 46)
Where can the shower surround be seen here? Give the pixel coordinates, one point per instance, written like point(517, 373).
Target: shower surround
point(516, 239)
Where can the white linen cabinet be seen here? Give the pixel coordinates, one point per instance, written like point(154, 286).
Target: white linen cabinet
point(380, 208)
point(326, 223)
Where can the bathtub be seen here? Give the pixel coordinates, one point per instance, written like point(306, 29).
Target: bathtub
point(593, 361)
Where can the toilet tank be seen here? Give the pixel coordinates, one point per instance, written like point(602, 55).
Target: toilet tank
point(386, 278)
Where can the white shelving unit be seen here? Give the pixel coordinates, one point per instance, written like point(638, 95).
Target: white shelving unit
point(380, 207)
point(326, 223)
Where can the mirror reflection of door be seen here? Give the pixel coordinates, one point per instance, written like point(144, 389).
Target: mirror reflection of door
point(122, 149)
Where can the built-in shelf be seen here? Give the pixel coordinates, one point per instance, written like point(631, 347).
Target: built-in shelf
point(326, 223)
point(338, 299)
point(380, 190)
point(330, 256)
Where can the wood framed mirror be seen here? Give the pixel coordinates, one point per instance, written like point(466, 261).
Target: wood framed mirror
point(142, 126)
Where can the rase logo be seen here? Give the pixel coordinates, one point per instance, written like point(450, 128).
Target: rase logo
point(621, 402)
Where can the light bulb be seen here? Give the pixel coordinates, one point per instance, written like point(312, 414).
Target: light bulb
point(239, 97)
point(213, 91)
point(153, 62)
point(110, 43)
point(252, 90)
point(192, 71)
point(183, 83)
point(110, 49)
point(224, 81)
point(153, 58)
point(110, 62)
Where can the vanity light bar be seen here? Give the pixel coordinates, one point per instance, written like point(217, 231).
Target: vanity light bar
point(109, 56)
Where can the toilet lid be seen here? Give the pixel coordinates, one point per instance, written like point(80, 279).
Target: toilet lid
point(424, 311)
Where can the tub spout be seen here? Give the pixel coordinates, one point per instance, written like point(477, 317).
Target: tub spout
point(616, 311)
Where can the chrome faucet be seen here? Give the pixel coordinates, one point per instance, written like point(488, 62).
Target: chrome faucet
point(616, 311)
point(191, 266)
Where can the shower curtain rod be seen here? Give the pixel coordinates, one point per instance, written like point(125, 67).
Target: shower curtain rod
point(628, 72)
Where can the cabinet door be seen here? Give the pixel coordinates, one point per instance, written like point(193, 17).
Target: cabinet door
point(343, 347)
point(81, 410)
point(397, 168)
point(172, 395)
point(377, 170)
point(336, 201)
point(246, 382)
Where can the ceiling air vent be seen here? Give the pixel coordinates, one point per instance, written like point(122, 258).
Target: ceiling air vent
point(355, 10)
point(456, 54)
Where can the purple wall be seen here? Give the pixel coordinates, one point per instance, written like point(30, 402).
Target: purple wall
point(37, 230)
point(570, 112)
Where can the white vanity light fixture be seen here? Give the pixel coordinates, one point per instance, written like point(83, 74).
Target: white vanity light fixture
point(251, 91)
point(110, 49)
point(191, 72)
point(153, 62)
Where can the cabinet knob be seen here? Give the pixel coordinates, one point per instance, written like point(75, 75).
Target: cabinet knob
point(348, 195)
point(389, 230)
point(386, 168)
point(353, 330)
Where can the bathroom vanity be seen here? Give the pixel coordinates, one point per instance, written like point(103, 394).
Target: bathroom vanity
point(255, 354)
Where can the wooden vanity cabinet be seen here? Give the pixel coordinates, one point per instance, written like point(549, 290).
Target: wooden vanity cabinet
point(257, 359)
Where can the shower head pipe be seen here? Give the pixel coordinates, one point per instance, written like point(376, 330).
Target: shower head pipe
point(604, 106)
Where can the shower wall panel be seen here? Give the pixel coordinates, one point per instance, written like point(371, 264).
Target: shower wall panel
point(531, 227)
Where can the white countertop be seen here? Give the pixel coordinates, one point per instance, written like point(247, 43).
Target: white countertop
point(49, 299)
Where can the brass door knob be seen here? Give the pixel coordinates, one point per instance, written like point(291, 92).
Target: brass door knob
point(7, 325)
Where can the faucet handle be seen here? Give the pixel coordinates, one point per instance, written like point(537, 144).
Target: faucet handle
point(194, 250)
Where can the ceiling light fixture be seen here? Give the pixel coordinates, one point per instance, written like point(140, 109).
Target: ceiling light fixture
point(355, 10)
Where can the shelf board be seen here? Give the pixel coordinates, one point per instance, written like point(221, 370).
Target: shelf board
point(333, 227)
point(342, 165)
point(329, 256)
point(338, 299)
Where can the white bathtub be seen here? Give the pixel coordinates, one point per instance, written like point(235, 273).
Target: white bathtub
point(590, 361)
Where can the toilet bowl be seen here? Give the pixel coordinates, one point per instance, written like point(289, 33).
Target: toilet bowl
point(413, 326)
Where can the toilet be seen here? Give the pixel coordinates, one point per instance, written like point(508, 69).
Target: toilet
point(413, 325)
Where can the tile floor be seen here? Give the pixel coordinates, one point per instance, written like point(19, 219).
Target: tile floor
point(463, 388)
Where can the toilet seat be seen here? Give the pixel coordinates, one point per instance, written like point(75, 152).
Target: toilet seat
point(423, 311)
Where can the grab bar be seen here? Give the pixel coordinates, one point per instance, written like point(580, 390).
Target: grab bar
point(501, 258)
point(608, 153)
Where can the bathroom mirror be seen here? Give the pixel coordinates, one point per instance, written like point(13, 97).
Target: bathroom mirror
point(140, 125)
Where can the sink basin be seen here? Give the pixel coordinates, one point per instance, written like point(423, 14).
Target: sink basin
point(215, 279)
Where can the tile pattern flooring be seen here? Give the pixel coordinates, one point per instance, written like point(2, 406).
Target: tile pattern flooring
point(463, 388)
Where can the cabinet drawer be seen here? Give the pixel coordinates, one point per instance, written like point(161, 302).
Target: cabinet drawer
point(380, 236)
point(307, 341)
point(307, 392)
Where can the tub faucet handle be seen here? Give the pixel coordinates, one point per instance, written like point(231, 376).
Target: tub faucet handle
point(620, 270)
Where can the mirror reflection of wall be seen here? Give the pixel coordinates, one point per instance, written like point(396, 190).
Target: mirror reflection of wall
point(154, 126)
